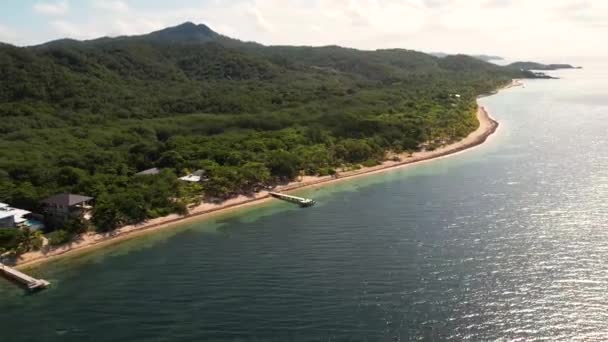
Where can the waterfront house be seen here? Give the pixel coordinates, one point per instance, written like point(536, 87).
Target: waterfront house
point(11, 217)
point(58, 209)
point(17, 218)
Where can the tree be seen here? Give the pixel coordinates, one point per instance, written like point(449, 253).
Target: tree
point(76, 226)
point(254, 174)
point(27, 240)
point(283, 164)
point(354, 151)
point(223, 182)
point(314, 158)
point(25, 196)
point(106, 215)
point(82, 117)
point(70, 176)
point(9, 238)
point(131, 205)
point(60, 237)
point(171, 159)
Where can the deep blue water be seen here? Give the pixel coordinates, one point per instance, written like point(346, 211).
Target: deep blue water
point(506, 241)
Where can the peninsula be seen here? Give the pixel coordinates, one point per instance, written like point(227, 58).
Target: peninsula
point(540, 66)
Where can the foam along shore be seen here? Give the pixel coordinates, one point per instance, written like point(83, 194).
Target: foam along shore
point(487, 126)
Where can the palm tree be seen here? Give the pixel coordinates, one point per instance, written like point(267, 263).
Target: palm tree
point(28, 240)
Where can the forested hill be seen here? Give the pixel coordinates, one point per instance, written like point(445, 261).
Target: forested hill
point(191, 69)
point(84, 116)
point(485, 58)
point(540, 66)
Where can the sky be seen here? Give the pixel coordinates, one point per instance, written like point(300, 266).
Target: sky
point(510, 28)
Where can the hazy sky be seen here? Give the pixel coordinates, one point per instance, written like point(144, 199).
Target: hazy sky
point(512, 28)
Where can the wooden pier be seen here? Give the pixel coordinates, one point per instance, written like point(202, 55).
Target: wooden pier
point(30, 283)
point(302, 202)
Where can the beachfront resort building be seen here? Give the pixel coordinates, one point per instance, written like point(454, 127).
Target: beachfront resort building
point(59, 209)
point(11, 217)
point(17, 218)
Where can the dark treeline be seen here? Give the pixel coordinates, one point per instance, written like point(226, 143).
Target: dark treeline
point(83, 117)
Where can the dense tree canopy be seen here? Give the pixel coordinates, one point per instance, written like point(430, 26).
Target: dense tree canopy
point(84, 117)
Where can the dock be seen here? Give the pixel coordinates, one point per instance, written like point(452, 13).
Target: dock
point(30, 283)
point(302, 202)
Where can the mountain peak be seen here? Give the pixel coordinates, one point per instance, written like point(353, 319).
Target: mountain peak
point(186, 32)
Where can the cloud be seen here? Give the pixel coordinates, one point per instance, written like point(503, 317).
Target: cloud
point(584, 15)
point(111, 5)
point(52, 8)
point(7, 34)
point(135, 25)
point(261, 21)
point(65, 28)
point(497, 3)
point(356, 14)
point(436, 3)
point(70, 29)
point(508, 27)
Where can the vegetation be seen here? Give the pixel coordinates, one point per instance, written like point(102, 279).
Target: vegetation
point(485, 58)
point(539, 66)
point(19, 241)
point(84, 117)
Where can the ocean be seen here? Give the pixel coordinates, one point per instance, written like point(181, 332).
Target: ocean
point(506, 241)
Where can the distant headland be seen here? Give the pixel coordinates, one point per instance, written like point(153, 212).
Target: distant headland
point(539, 66)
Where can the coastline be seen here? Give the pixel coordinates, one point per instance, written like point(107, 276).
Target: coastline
point(90, 241)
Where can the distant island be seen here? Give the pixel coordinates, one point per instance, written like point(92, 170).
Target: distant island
point(540, 66)
point(101, 134)
point(522, 66)
point(485, 58)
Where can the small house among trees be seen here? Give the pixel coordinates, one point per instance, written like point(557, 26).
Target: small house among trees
point(195, 177)
point(61, 208)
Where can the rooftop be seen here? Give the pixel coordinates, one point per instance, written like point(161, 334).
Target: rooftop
point(66, 199)
point(195, 176)
point(152, 171)
point(191, 178)
point(7, 211)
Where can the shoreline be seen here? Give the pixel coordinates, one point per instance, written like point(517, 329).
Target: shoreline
point(90, 241)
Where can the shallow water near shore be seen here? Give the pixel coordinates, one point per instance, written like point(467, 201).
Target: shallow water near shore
point(505, 241)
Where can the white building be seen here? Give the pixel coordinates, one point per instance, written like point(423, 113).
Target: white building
point(12, 217)
point(195, 177)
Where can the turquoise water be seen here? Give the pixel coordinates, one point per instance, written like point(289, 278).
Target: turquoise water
point(507, 241)
point(34, 224)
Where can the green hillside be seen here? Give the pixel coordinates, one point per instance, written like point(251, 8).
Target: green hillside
point(83, 117)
